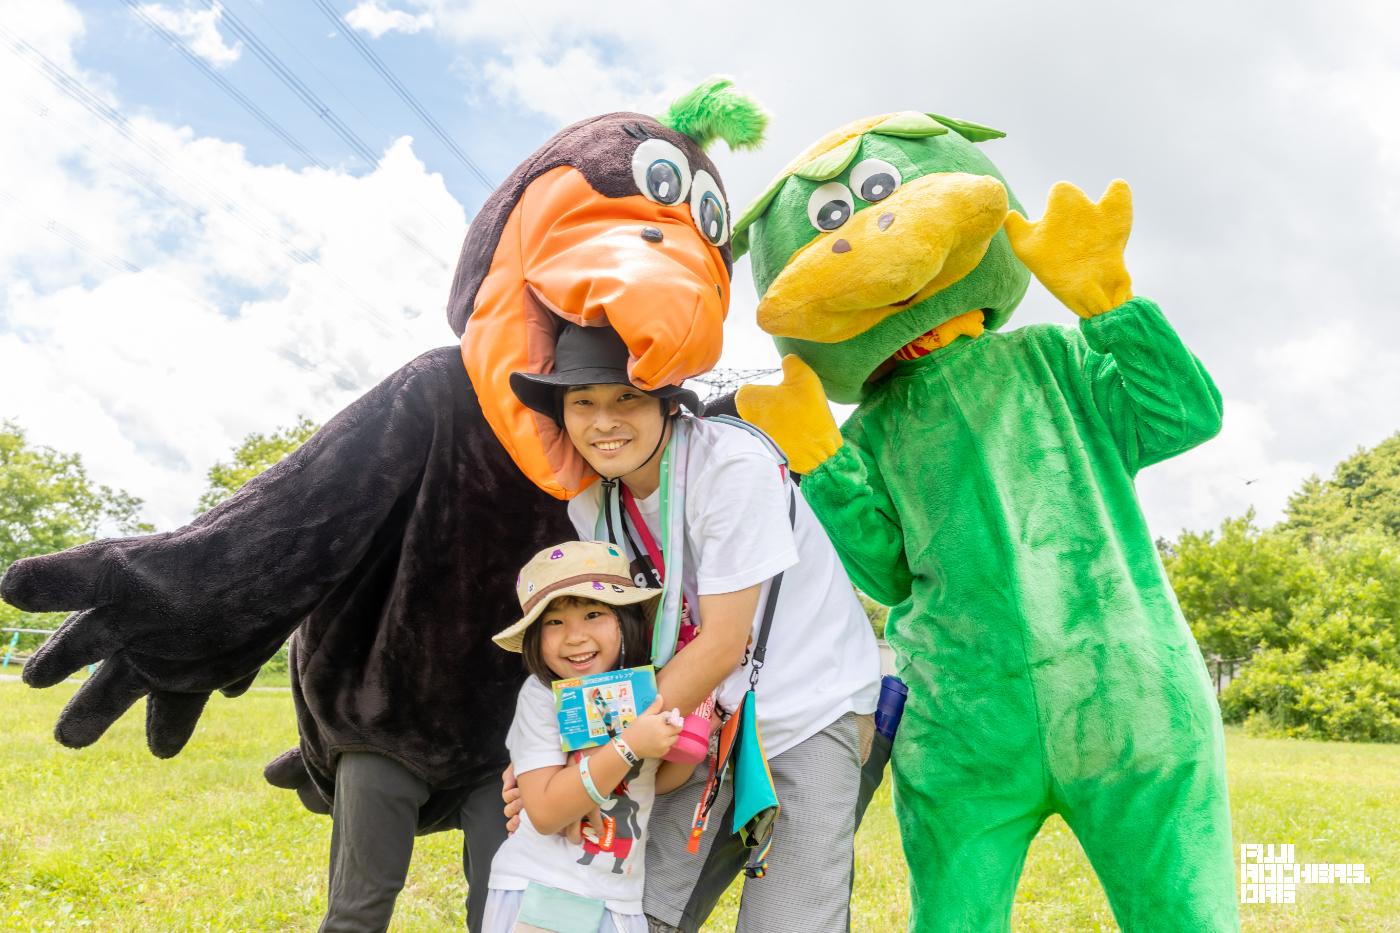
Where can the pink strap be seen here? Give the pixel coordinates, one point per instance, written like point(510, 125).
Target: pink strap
point(688, 631)
point(654, 552)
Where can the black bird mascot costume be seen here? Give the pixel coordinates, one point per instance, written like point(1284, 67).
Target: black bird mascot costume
point(387, 546)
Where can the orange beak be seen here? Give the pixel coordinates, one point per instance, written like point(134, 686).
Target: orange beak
point(630, 262)
point(567, 251)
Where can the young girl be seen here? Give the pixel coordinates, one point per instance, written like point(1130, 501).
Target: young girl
point(582, 615)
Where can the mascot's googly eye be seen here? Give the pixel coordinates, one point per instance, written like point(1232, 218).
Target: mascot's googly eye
point(830, 206)
point(707, 208)
point(661, 171)
point(874, 179)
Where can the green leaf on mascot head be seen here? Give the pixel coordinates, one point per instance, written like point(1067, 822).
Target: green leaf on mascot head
point(715, 110)
point(776, 226)
point(825, 165)
point(831, 163)
point(972, 132)
point(911, 125)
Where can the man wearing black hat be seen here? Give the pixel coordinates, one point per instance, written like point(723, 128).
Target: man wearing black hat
point(727, 532)
point(592, 361)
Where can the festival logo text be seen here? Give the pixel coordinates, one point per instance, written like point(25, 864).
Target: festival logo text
point(1270, 874)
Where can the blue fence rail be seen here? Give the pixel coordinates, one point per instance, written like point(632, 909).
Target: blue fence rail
point(14, 643)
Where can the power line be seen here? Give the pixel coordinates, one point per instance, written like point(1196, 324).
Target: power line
point(69, 235)
point(317, 106)
point(254, 6)
point(293, 83)
point(113, 260)
point(335, 87)
point(403, 92)
point(722, 381)
point(179, 45)
point(524, 11)
point(77, 91)
point(297, 86)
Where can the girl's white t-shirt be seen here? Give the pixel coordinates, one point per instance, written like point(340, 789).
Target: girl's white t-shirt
point(616, 875)
point(821, 661)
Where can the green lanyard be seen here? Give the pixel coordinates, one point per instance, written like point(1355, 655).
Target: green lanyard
point(611, 520)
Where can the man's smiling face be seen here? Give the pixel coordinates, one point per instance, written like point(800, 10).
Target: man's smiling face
point(615, 427)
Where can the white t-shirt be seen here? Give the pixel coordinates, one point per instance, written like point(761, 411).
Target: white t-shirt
point(821, 661)
point(616, 873)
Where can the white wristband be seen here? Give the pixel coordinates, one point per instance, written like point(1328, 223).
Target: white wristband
point(589, 787)
point(625, 751)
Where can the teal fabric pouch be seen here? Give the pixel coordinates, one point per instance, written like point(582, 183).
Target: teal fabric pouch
point(550, 910)
point(755, 799)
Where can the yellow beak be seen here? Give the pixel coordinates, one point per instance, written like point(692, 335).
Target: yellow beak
point(889, 256)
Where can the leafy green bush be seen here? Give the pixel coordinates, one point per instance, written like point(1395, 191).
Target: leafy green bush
point(1318, 619)
point(1312, 605)
point(277, 664)
point(876, 613)
point(1353, 699)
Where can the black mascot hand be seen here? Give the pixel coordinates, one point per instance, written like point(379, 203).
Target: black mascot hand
point(288, 771)
point(105, 631)
point(177, 615)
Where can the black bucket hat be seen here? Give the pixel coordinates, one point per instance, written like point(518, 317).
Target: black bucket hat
point(586, 356)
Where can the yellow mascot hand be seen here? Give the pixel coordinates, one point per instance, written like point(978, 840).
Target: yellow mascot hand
point(1076, 249)
point(794, 414)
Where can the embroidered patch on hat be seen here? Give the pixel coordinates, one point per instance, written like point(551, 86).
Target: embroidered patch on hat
point(613, 551)
point(530, 587)
point(616, 588)
point(597, 585)
point(557, 554)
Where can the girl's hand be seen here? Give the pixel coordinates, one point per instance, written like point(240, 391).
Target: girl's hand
point(652, 734)
point(510, 796)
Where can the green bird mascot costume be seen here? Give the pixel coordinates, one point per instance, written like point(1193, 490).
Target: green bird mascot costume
point(984, 489)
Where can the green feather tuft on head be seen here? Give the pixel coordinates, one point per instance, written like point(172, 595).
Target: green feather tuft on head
point(715, 110)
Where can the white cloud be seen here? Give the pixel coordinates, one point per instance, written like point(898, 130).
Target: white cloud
point(1235, 471)
point(370, 17)
point(229, 326)
point(571, 84)
point(199, 28)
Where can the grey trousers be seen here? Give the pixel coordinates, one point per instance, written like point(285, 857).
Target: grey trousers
point(375, 816)
point(808, 884)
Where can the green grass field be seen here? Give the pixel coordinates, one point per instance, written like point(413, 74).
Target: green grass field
point(112, 839)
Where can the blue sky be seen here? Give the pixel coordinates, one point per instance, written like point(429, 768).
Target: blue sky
point(152, 76)
point(169, 287)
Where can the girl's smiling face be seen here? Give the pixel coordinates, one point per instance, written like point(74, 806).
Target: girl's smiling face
point(579, 637)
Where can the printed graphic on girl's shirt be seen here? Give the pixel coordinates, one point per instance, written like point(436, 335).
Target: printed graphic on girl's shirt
point(620, 831)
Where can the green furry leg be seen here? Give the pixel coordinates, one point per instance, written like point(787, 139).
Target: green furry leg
point(1159, 840)
point(1144, 792)
point(970, 796)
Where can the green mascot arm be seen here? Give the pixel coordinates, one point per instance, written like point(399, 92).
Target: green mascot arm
point(848, 494)
point(1156, 397)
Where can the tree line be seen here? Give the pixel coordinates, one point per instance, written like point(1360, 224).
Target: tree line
point(1305, 614)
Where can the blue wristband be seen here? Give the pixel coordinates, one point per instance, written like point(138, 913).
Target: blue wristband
point(588, 785)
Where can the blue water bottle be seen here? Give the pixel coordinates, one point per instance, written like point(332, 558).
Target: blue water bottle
point(890, 707)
